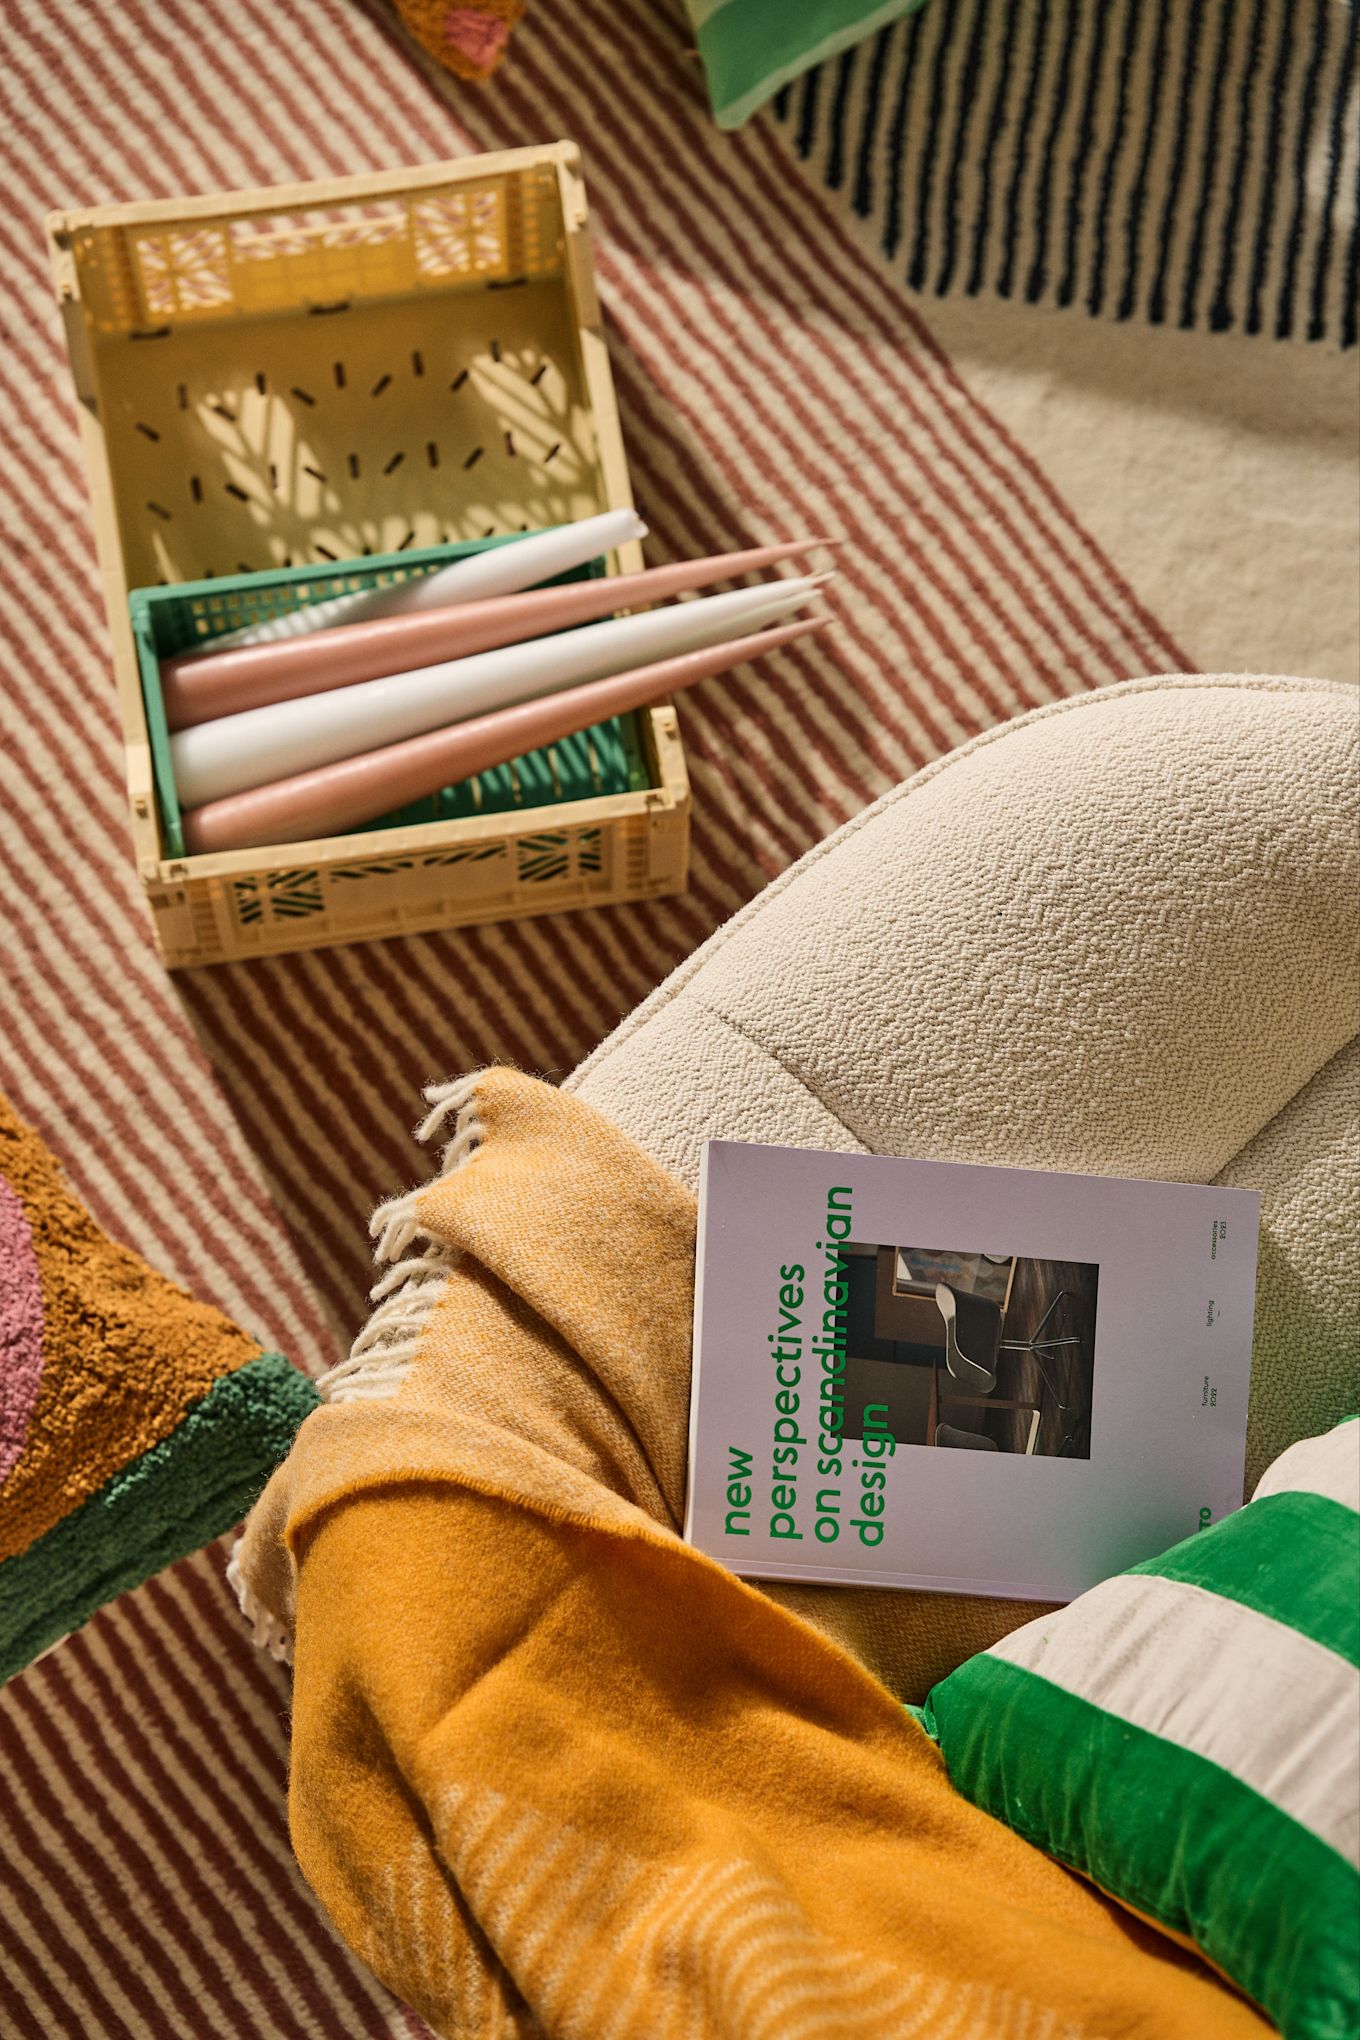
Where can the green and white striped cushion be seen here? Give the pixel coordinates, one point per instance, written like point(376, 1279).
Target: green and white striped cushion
point(752, 47)
point(1188, 1736)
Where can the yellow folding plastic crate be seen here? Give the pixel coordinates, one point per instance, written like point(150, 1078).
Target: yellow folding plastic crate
point(365, 367)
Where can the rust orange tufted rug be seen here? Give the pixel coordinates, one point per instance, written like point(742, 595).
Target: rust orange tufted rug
point(135, 1423)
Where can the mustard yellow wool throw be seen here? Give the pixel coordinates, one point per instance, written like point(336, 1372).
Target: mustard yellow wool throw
point(555, 1773)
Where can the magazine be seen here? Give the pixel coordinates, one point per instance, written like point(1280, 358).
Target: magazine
point(970, 1379)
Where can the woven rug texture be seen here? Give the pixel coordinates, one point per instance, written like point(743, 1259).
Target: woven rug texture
point(1046, 479)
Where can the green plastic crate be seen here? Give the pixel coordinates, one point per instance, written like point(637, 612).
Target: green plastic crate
point(607, 758)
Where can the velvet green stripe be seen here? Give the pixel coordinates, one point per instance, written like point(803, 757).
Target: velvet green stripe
point(1215, 1872)
point(1290, 1556)
point(752, 47)
point(172, 1499)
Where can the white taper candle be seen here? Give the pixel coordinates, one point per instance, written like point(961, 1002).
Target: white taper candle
point(499, 570)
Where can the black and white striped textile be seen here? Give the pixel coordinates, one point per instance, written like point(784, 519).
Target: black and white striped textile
point(1191, 163)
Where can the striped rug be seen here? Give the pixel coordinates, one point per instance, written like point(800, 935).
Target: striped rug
point(237, 1125)
point(1187, 162)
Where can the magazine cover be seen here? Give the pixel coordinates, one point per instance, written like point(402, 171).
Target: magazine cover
point(979, 1380)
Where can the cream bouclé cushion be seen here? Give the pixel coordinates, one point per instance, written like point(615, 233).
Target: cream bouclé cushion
point(1116, 935)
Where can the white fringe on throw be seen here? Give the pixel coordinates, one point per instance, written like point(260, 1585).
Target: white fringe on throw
point(266, 1630)
point(381, 1356)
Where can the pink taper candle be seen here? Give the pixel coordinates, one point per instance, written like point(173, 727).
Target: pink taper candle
point(200, 687)
point(334, 798)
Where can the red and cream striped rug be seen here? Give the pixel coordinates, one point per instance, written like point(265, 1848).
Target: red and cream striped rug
point(238, 1125)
